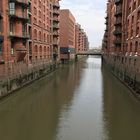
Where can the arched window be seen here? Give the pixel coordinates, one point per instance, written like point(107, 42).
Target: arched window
point(130, 47)
point(45, 49)
point(48, 49)
point(48, 38)
point(44, 37)
point(137, 31)
point(134, 5)
point(36, 48)
point(35, 34)
point(39, 35)
point(136, 46)
point(48, 52)
point(40, 49)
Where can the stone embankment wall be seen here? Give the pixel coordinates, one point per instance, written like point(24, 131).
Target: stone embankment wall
point(126, 68)
point(10, 83)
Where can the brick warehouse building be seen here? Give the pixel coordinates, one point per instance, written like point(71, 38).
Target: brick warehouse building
point(29, 33)
point(14, 31)
point(133, 30)
point(45, 30)
point(81, 39)
point(73, 38)
point(44, 44)
point(67, 35)
point(121, 43)
point(122, 34)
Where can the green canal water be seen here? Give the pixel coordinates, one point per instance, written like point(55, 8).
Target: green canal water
point(80, 101)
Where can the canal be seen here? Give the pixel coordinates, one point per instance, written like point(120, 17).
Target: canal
point(80, 101)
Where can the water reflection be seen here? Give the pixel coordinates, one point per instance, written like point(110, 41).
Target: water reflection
point(121, 110)
point(33, 112)
point(81, 101)
point(84, 120)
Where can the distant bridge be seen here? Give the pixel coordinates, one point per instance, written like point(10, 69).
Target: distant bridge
point(91, 52)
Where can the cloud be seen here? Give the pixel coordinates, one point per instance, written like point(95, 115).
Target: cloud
point(90, 14)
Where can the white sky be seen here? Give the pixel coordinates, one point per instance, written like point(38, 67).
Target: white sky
point(91, 15)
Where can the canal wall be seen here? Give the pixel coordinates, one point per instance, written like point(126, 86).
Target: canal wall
point(10, 83)
point(126, 69)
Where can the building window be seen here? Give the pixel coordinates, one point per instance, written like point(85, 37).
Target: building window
point(44, 8)
point(24, 30)
point(136, 47)
point(39, 14)
point(44, 25)
point(35, 34)
point(127, 34)
point(131, 47)
point(36, 50)
point(132, 33)
point(11, 28)
point(12, 48)
point(48, 51)
point(45, 49)
point(128, 22)
point(132, 19)
point(40, 23)
point(40, 49)
point(12, 8)
point(35, 1)
point(137, 31)
point(134, 5)
point(129, 10)
point(35, 20)
point(48, 38)
point(44, 37)
point(40, 35)
point(39, 3)
point(35, 11)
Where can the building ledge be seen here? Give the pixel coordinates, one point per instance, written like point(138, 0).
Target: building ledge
point(117, 1)
point(56, 20)
point(23, 3)
point(16, 17)
point(15, 37)
point(56, 12)
point(118, 23)
point(118, 13)
point(55, 33)
point(56, 5)
point(21, 50)
point(117, 32)
point(55, 27)
point(55, 43)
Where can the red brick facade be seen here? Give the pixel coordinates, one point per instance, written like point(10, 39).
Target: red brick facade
point(29, 33)
point(45, 30)
point(67, 34)
point(122, 34)
point(133, 30)
point(73, 38)
point(81, 39)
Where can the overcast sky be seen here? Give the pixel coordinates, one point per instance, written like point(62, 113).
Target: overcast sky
point(90, 14)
